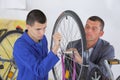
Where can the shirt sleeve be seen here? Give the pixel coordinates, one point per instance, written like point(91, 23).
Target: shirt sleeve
point(25, 57)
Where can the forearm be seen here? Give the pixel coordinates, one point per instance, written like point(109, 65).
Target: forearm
point(55, 49)
point(47, 64)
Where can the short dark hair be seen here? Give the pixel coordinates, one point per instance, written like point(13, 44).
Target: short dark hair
point(35, 16)
point(96, 18)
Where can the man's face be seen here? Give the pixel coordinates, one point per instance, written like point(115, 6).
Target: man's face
point(93, 30)
point(36, 31)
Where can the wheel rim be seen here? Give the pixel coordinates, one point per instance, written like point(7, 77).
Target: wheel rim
point(6, 46)
point(69, 26)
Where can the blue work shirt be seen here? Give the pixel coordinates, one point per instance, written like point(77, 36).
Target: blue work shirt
point(32, 58)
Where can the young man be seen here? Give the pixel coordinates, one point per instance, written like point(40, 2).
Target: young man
point(98, 49)
point(30, 50)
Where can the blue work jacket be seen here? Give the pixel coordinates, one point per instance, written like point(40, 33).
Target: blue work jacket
point(32, 59)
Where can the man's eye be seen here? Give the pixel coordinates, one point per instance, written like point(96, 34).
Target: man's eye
point(87, 27)
point(95, 29)
point(38, 29)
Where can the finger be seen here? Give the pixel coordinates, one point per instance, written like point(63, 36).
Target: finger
point(57, 36)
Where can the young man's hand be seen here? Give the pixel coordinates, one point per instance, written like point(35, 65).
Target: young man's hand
point(57, 38)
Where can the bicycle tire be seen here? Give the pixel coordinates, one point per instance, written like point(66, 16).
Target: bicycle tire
point(6, 45)
point(118, 78)
point(58, 24)
point(1, 78)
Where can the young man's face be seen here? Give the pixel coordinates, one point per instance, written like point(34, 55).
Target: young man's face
point(93, 30)
point(36, 31)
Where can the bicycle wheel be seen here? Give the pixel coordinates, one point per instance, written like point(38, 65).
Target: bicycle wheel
point(71, 28)
point(118, 78)
point(9, 72)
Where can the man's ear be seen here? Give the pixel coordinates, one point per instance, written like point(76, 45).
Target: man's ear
point(101, 33)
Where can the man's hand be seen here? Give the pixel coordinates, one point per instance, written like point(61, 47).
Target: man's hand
point(78, 58)
point(56, 37)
